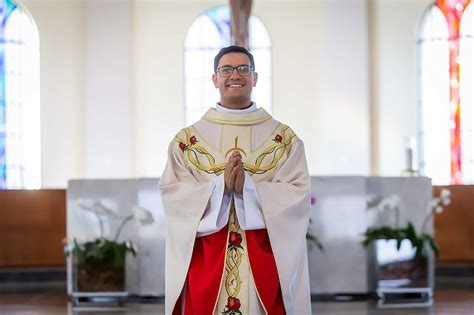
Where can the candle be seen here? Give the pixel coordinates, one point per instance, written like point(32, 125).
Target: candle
point(409, 159)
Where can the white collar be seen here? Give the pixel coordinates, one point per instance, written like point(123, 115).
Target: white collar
point(222, 109)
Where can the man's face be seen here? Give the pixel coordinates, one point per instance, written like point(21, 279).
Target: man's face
point(235, 89)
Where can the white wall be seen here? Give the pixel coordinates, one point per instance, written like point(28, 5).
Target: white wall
point(394, 82)
point(344, 109)
point(159, 31)
point(343, 78)
point(297, 67)
point(61, 29)
point(108, 132)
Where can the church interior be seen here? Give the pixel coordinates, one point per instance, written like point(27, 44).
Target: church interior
point(380, 91)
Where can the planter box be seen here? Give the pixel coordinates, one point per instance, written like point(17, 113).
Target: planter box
point(93, 277)
point(98, 287)
point(400, 268)
point(401, 278)
point(99, 278)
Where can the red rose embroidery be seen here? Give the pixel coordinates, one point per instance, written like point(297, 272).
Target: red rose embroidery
point(233, 304)
point(182, 146)
point(278, 138)
point(235, 239)
point(192, 139)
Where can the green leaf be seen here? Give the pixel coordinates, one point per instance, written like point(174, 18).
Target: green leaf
point(411, 233)
point(101, 251)
point(313, 239)
point(432, 243)
point(400, 234)
point(399, 243)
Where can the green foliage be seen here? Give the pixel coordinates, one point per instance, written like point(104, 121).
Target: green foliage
point(101, 251)
point(400, 234)
point(310, 238)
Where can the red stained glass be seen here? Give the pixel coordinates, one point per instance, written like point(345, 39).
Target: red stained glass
point(453, 11)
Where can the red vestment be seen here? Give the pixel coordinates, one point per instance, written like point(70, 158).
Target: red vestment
point(207, 265)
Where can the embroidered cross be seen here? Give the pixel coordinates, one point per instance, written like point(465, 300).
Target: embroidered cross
point(236, 148)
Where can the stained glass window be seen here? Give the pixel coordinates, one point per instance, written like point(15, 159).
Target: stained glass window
point(19, 99)
point(445, 74)
point(208, 33)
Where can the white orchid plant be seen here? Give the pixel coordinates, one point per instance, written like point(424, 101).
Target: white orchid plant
point(392, 203)
point(102, 250)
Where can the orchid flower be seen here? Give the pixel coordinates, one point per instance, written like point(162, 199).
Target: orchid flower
point(391, 203)
point(436, 205)
point(142, 215)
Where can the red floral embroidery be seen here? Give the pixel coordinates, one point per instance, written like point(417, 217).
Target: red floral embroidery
point(235, 239)
point(278, 138)
point(192, 140)
point(233, 304)
point(182, 146)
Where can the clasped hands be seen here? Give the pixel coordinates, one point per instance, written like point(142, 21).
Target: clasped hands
point(234, 175)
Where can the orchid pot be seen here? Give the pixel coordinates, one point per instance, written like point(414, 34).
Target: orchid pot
point(397, 264)
point(400, 256)
point(99, 265)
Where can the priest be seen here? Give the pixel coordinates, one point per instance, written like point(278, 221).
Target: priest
point(236, 194)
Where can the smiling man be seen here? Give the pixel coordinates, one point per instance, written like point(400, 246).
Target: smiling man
point(236, 197)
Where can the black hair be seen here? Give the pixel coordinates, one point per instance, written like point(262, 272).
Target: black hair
point(232, 49)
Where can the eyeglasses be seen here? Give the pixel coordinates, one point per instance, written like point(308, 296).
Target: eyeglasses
point(226, 71)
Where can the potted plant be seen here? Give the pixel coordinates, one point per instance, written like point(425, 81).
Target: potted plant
point(312, 239)
point(406, 251)
point(99, 264)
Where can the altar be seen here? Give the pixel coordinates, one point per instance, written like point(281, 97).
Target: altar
point(342, 209)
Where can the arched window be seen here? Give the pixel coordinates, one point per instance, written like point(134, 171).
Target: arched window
point(20, 162)
point(445, 42)
point(208, 33)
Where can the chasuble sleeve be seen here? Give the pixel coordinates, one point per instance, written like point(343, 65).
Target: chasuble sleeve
point(217, 210)
point(183, 194)
point(247, 207)
point(185, 198)
point(285, 202)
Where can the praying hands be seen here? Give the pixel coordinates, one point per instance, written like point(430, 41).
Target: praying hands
point(234, 176)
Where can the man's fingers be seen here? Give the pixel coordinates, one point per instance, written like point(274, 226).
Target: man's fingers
point(239, 180)
point(229, 166)
point(235, 170)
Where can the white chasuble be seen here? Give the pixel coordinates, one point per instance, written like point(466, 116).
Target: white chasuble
point(274, 159)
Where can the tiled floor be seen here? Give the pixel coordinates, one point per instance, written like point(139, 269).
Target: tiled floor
point(447, 302)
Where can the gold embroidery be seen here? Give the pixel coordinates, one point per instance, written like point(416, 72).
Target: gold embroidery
point(236, 148)
point(236, 272)
point(257, 117)
point(233, 258)
point(274, 152)
point(238, 122)
point(194, 151)
point(203, 160)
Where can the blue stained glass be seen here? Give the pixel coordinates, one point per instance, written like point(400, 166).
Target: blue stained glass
point(220, 16)
point(208, 33)
point(6, 9)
